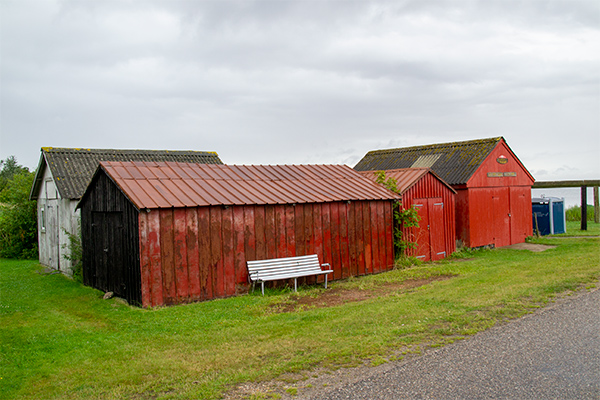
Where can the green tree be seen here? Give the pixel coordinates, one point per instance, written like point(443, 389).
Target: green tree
point(8, 169)
point(18, 215)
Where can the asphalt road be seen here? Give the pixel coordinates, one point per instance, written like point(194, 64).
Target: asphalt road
point(552, 354)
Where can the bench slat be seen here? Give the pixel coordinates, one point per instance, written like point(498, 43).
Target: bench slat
point(280, 267)
point(283, 259)
point(286, 268)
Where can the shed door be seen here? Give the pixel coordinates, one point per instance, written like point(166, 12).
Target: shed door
point(501, 217)
point(107, 230)
point(436, 228)
point(520, 211)
point(430, 233)
point(422, 232)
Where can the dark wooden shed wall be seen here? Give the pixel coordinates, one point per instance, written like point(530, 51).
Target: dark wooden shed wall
point(190, 254)
point(110, 241)
point(431, 187)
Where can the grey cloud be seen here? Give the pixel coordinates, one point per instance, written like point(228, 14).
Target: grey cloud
point(291, 82)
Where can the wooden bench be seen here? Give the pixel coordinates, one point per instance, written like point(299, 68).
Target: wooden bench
point(285, 268)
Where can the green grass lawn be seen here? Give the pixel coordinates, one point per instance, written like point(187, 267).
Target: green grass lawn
point(60, 340)
point(574, 229)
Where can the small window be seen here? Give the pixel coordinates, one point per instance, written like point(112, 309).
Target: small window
point(43, 219)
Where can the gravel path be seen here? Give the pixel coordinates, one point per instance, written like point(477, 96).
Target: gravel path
point(552, 354)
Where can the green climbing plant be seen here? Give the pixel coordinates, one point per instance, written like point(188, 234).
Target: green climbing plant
point(75, 254)
point(403, 218)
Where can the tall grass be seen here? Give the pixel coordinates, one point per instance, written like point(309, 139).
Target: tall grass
point(574, 213)
point(61, 340)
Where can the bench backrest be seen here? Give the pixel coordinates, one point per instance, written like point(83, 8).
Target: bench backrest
point(283, 268)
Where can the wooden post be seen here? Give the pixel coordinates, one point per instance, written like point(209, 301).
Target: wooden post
point(596, 206)
point(584, 208)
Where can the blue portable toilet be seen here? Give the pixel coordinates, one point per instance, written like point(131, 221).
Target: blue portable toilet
point(548, 215)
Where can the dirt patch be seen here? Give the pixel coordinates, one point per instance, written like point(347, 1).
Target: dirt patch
point(334, 297)
point(536, 248)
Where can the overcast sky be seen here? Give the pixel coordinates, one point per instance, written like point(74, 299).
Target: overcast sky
point(297, 82)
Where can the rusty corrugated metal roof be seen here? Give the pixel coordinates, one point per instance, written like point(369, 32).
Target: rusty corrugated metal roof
point(174, 184)
point(73, 168)
point(453, 162)
point(405, 177)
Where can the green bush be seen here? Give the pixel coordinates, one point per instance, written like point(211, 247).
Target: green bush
point(75, 254)
point(574, 213)
point(18, 215)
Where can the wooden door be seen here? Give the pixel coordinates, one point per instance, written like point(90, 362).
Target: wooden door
point(521, 223)
point(437, 237)
point(430, 235)
point(501, 217)
point(107, 230)
point(423, 250)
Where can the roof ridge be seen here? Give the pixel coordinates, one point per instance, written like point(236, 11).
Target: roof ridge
point(104, 151)
point(440, 145)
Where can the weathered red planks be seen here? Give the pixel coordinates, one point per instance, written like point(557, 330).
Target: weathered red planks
point(228, 254)
point(180, 255)
point(145, 275)
point(281, 231)
point(344, 248)
point(216, 251)
point(368, 238)
point(270, 232)
point(166, 252)
point(352, 239)
point(290, 230)
point(200, 253)
point(360, 242)
point(299, 229)
point(193, 255)
point(259, 233)
point(336, 253)
point(154, 250)
point(204, 253)
point(240, 253)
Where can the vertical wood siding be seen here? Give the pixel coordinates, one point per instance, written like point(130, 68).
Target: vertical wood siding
point(429, 187)
point(200, 253)
point(109, 234)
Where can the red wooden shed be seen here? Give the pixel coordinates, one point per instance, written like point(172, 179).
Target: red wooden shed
point(434, 200)
point(167, 233)
point(493, 187)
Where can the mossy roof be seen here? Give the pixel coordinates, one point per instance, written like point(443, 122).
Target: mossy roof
point(453, 162)
point(73, 168)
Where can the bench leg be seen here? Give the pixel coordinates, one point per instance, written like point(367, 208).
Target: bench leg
point(295, 284)
point(262, 286)
point(325, 281)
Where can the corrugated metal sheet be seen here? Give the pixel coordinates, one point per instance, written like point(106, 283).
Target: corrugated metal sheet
point(455, 163)
point(405, 178)
point(171, 184)
point(72, 169)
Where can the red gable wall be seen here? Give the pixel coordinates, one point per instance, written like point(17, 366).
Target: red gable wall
point(495, 206)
